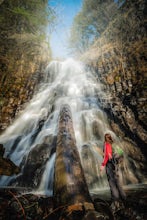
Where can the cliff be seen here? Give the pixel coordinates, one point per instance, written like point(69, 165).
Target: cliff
point(24, 54)
point(118, 60)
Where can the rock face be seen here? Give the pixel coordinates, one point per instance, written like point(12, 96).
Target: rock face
point(33, 165)
point(118, 60)
point(23, 57)
point(7, 167)
point(19, 78)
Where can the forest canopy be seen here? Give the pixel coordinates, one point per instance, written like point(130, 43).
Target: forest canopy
point(21, 16)
point(93, 19)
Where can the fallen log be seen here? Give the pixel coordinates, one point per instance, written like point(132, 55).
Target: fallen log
point(70, 187)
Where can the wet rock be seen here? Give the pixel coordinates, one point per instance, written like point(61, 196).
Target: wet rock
point(19, 204)
point(34, 163)
point(94, 216)
point(7, 167)
point(90, 165)
point(14, 206)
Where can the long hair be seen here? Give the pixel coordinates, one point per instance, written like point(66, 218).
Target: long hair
point(108, 138)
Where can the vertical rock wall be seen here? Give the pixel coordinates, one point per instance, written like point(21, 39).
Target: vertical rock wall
point(23, 57)
point(118, 59)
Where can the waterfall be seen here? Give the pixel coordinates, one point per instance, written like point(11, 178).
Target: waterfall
point(30, 140)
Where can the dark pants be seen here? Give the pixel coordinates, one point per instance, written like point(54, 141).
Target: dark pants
point(117, 192)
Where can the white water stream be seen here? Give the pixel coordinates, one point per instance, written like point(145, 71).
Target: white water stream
point(65, 83)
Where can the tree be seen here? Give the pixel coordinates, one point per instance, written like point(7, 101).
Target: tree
point(26, 16)
point(91, 22)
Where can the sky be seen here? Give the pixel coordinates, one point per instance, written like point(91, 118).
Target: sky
point(66, 10)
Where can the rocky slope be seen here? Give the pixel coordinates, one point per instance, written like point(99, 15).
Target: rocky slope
point(118, 60)
point(24, 54)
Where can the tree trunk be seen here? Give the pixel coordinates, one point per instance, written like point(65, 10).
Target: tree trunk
point(70, 185)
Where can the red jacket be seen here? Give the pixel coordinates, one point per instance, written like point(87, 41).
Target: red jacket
point(107, 153)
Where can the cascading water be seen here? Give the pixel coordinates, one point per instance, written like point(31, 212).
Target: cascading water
point(30, 140)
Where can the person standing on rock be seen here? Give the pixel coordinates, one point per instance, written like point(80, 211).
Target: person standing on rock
point(110, 161)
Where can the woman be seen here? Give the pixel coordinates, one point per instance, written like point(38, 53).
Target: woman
point(117, 193)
